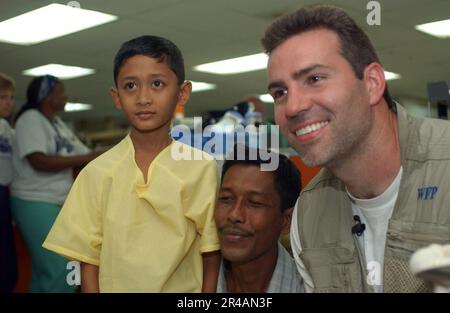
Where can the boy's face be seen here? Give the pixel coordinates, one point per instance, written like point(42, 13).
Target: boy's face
point(147, 92)
point(6, 102)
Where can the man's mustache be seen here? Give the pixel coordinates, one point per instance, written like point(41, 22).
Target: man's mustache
point(235, 231)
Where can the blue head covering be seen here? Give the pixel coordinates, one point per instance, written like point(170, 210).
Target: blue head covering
point(47, 84)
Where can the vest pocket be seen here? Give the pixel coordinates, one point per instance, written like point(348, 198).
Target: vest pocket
point(332, 269)
point(403, 239)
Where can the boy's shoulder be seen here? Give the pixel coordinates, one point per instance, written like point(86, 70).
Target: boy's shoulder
point(185, 160)
point(187, 155)
point(110, 159)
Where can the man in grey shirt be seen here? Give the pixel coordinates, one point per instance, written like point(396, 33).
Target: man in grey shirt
point(254, 208)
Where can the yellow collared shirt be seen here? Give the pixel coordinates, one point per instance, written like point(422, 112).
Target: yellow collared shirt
point(145, 237)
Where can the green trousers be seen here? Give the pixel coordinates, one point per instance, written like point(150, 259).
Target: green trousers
point(34, 220)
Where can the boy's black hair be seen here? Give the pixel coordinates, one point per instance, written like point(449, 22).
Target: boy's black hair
point(153, 47)
point(286, 176)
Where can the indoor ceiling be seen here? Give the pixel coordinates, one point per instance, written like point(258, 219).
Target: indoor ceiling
point(211, 30)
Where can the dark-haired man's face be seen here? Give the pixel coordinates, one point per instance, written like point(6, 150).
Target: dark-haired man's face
point(147, 92)
point(248, 214)
point(58, 98)
point(322, 109)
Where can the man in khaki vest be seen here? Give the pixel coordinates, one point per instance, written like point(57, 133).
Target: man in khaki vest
point(383, 191)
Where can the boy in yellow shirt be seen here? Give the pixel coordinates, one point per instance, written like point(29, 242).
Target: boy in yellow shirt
point(137, 219)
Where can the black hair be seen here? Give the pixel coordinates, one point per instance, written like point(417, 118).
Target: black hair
point(287, 177)
point(32, 95)
point(154, 47)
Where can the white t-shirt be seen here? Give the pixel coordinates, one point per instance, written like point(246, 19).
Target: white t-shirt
point(6, 137)
point(375, 213)
point(35, 133)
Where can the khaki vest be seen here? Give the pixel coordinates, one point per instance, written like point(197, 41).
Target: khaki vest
point(421, 215)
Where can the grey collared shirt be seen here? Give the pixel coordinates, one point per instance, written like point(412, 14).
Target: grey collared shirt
point(285, 278)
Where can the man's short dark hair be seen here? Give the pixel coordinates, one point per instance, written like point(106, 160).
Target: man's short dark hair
point(355, 45)
point(153, 47)
point(286, 176)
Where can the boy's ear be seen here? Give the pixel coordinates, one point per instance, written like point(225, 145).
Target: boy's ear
point(287, 217)
point(185, 93)
point(116, 98)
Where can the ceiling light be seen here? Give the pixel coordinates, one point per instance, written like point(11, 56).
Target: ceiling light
point(237, 65)
point(391, 75)
point(439, 29)
point(74, 107)
point(201, 86)
point(59, 70)
point(266, 98)
point(49, 22)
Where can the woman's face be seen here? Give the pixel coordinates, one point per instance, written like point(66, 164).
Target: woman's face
point(57, 98)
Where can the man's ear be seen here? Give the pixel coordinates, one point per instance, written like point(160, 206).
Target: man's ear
point(116, 98)
point(185, 93)
point(375, 82)
point(287, 217)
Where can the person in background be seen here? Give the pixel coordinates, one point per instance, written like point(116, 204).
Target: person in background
point(45, 153)
point(8, 261)
point(138, 218)
point(253, 209)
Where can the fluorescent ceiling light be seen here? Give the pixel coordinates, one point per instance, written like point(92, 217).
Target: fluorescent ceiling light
point(59, 70)
point(73, 107)
point(49, 22)
point(237, 65)
point(266, 98)
point(201, 86)
point(391, 75)
point(439, 29)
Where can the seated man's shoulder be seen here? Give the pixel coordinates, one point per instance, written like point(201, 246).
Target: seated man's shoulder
point(287, 273)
